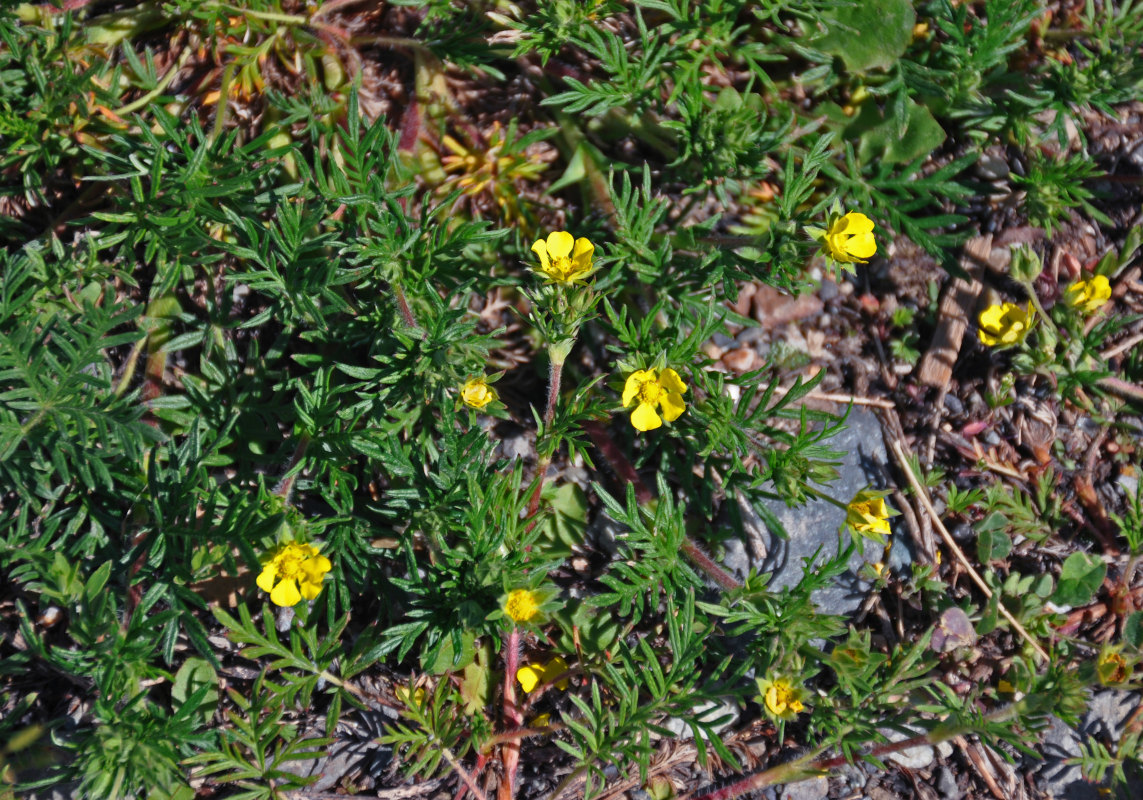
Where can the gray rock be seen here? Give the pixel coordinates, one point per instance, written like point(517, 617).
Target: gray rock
point(735, 558)
point(946, 784)
point(750, 336)
point(810, 789)
point(1108, 712)
point(601, 533)
point(814, 526)
point(725, 710)
point(914, 758)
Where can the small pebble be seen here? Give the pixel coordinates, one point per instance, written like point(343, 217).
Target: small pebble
point(750, 336)
point(954, 405)
point(740, 360)
point(946, 784)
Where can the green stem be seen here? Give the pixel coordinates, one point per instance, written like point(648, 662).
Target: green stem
point(160, 87)
point(1039, 308)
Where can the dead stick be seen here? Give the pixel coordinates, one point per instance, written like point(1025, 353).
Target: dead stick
point(923, 496)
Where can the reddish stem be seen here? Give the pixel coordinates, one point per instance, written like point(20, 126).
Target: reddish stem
point(510, 750)
point(555, 376)
point(713, 570)
point(782, 772)
point(617, 459)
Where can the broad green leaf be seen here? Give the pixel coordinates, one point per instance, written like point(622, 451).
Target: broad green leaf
point(870, 34)
point(1080, 579)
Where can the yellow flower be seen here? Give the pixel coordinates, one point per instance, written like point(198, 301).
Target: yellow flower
point(564, 259)
point(476, 393)
point(868, 513)
point(412, 697)
point(781, 699)
point(1112, 668)
point(849, 239)
point(664, 389)
point(522, 605)
point(290, 567)
point(1005, 324)
point(533, 675)
point(1089, 296)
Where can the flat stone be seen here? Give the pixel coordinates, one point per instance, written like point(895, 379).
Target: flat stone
point(1108, 712)
point(814, 526)
point(914, 758)
point(725, 710)
point(946, 784)
point(811, 789)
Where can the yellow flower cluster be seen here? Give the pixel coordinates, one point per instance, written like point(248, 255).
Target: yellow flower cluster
point(292, 571)
point(654, 391)
point(1088, 296)
point(1005, 324)
point(533, 675)
point(522, 605)
point(867, 512)
point(781, 699)
point(476, 393)
point(849, 239)
point(563, 258)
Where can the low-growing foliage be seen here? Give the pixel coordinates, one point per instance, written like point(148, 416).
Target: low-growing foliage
point(372, 363)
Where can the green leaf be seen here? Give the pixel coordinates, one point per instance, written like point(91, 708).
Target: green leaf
point(992, 543)
point(923, 134)
point(447, 659)
point(1080, 579)
point(192, 675)
point(1133, 629)
point(871, 34)
point(564, 529)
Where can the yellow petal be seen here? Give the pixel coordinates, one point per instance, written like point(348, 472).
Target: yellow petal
point(863, 245)
point(530, 676)
point(310, 588)
point(317, 565)
point(992, 318)
point(582, 253)
point(988, 338)
point(560, 244)
point(672, 405)
point(541, 250)
point(1101, 288)
point(267, 577)
point(286, 594)
point(644, 418)
point(670, 380)
point(631, 387)
point(557, 666)
point(857, 223)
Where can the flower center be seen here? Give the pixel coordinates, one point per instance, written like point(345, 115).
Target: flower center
point(778, 697)
point(562, 268)
point(521, 605)
point(290, 565)
point(650, 392)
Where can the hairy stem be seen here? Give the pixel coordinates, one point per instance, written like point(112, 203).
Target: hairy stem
point(711, 568)
point(510, 750)
point(555, 376)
